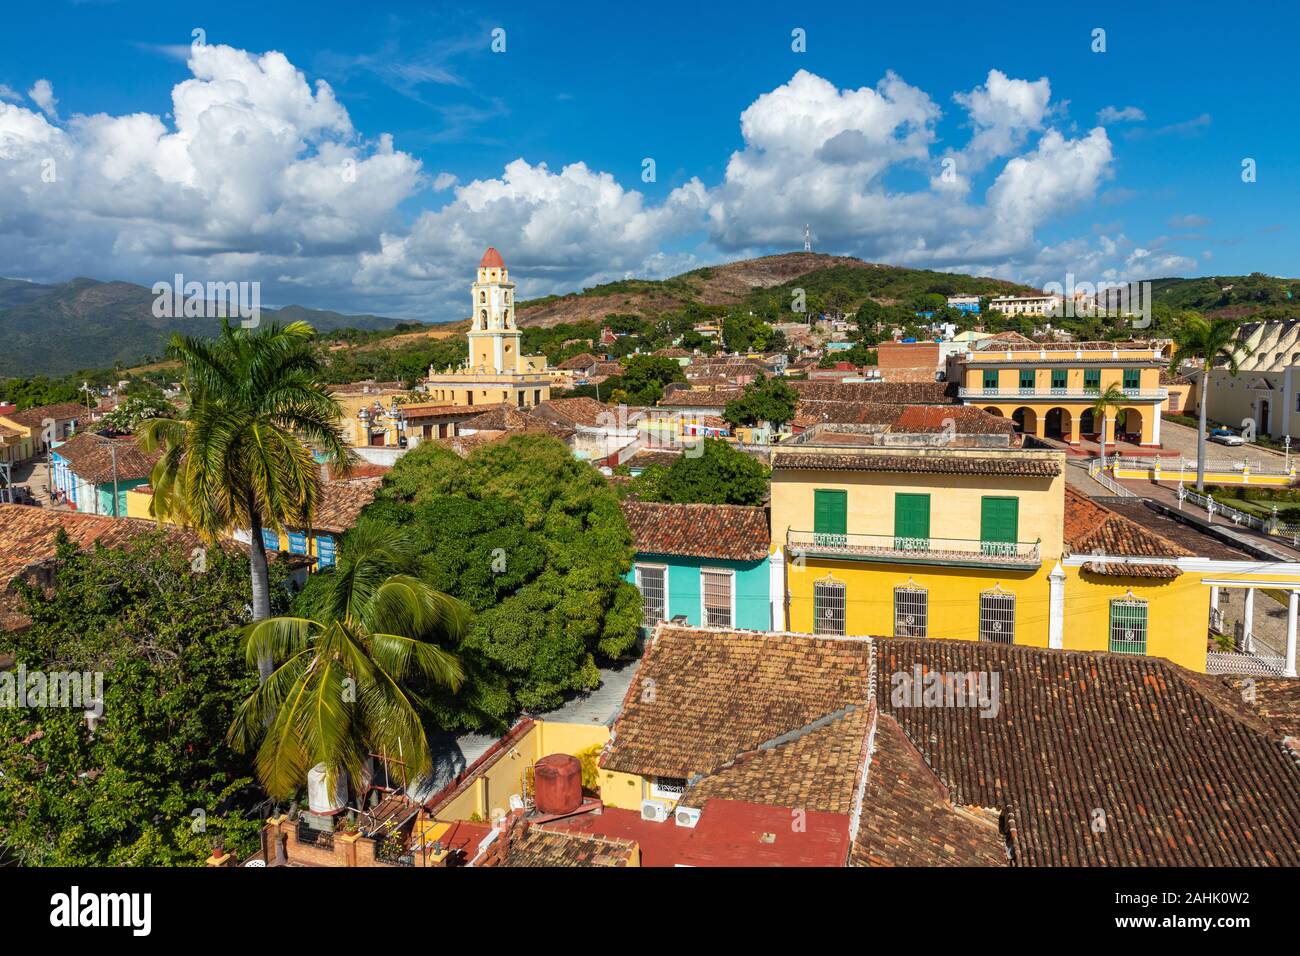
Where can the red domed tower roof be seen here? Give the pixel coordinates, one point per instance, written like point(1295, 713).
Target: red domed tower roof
point(491, 260)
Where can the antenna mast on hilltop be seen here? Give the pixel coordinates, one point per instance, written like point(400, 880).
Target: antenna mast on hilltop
point(807, 238)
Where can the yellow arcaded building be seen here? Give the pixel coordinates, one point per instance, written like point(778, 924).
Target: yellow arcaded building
point(1049, 389)
point(496, 370)
point(945, 523)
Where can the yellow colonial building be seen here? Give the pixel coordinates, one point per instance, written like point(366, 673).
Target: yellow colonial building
point(974, 535)
point(496, 370)
point(1049, 389)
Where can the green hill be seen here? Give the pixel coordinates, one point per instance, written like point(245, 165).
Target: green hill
point(59, 329)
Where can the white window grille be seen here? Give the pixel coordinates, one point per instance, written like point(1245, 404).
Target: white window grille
point(652, 583)
point(998, 617)
point(828, 608)
point(1128, 627)
point(911, 612)
point(716, 587)
point(668, 788)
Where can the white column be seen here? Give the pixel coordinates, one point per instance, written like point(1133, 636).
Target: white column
point(1292, 607)
point(1248, 622)
point(1155, 428)
point(1214, 597)
point(1056, 608)
point(776, 589)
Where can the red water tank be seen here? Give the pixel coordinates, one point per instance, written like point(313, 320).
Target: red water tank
point(557, 784)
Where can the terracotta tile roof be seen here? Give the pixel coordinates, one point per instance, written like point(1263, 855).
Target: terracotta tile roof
point(1103, 759)
point(507, 418)
point(672, 353)
point(91, 458)
point(1004, 465)
point(698, 398)
point(578, 362)
point(965, 419)
point(908, 818)
point(730, 532)
point(719, 694)
point(28, 539)
point(808, 413)
point(892, 393)
point(535, 845)
point(1169, 528)
point(464, 445)
point(1275, 700)
point(605, 368)
point(646, 457)
point(1091, 528)
point(359, 469)
point(1121, 569)
point(33, 417)
point(341, 503)
point(819, 770)
point(568, 412)
point(438, 410)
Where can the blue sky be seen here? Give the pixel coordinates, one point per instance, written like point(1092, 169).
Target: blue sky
point(1118, 164)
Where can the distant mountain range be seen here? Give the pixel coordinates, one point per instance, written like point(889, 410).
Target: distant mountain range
point(59, 329)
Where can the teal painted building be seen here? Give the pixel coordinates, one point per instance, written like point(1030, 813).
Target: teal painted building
point(708, 564)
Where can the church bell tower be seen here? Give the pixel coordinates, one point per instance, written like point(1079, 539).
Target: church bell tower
point(494, 341)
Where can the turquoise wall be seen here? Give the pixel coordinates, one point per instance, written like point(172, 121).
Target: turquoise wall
point(105, 494)
point(751, 583)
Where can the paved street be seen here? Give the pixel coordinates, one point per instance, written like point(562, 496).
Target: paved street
point(1180, 440)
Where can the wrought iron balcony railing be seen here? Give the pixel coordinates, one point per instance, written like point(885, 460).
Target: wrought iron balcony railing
point(900, 549)
point(1136, 394)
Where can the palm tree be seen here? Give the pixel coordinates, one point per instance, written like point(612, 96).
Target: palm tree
point(1214, 343)
point(1109, 400)
point(239, 456)
point(340, 693)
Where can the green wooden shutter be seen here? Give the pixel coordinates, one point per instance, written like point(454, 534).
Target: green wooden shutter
point(911, 522)
point(830, 516)
point(1092, 379)
point(1132, 378)
point(999, 524)
point(990, 378)
point(1026, 378)
point(1058, 378)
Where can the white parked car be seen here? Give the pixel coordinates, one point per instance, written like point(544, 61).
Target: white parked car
point(1224, 437)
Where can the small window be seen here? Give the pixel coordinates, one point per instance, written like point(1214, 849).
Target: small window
point(1092, 379)
point(911, 612)
point(998, 617)
point(652, 583)
point(1128, 627)
point(1059, 378)
point(1132, 378)
point(668, 788)
point(828, 608)
point(990, 379)
point(1027, 378)
point(716, 589)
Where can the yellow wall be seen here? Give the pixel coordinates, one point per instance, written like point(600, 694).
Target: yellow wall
point(954, 502)
point(492, 789)
point(954, 597)
point(1177, 614)
point(621, 790)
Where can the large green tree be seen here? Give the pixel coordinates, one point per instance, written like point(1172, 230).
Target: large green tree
point(644, 377)
point(153, 784)
point(1214, 343)
point(535, 543)
point(764, 400)
point(241, 455)
point(711, 473)
point(347, 675)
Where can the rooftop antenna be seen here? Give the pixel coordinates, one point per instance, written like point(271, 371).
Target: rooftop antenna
point(807, 238)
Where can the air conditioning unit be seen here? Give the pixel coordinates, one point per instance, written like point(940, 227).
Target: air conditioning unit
point(653, 811)
point(687, 817)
